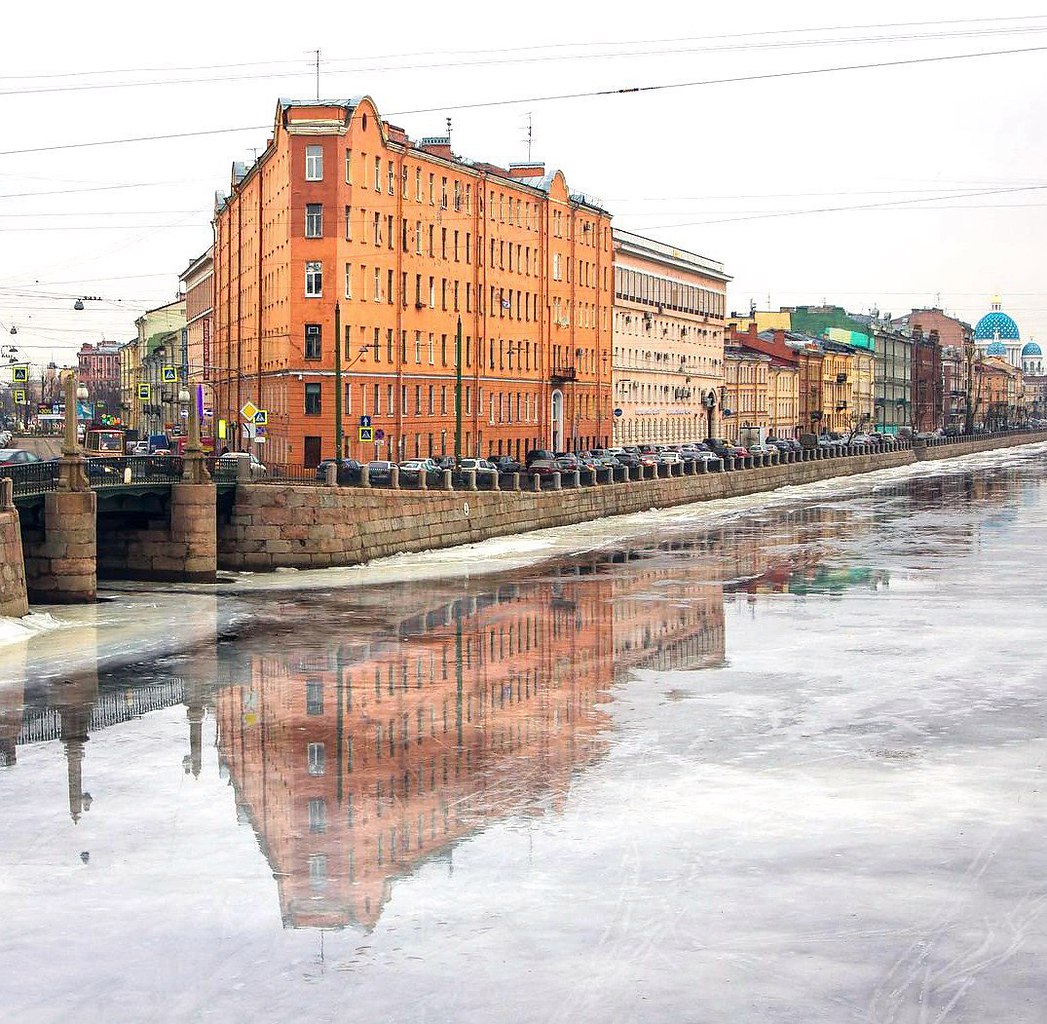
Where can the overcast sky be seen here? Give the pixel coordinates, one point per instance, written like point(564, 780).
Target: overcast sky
point(717, 168)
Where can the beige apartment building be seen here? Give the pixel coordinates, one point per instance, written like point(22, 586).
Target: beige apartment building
point(668, 342)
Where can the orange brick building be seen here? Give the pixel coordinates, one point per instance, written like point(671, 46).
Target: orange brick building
point(342, 208)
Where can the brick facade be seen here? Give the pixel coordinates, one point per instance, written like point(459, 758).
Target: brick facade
point(408, 240)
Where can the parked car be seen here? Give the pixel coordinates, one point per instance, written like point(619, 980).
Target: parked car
point(667, 457)
point(349, 471)
point(760, 448)
point(412, 469)
point(506, 464)
point(629, 459)
point(538, 453)
point(543, 467)
point(227, 465)
point(379, 472)
point(17, 457)
point(481, 466)
point(718, 446)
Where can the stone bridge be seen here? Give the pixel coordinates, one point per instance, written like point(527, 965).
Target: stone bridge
point(67, 523)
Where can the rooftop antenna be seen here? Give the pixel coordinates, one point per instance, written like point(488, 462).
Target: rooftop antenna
point(530, 134)
point(317, 76)
point(448, 133)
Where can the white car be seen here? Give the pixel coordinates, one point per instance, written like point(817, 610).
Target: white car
point(228, 465)
point(480, 465)
point(759, 448)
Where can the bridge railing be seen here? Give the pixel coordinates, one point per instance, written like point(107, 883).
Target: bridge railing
point(32, 478)
point(122, 470)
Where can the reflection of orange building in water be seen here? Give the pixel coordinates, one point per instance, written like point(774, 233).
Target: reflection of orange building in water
point(358, 762)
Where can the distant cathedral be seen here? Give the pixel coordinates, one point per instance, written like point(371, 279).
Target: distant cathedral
point(996, 334)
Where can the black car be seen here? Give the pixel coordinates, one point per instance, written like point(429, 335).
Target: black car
point(506, 464)
point(349, 471)
point(718, 446)
point(538, 453)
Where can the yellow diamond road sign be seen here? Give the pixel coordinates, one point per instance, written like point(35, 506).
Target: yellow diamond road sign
point(248, 410)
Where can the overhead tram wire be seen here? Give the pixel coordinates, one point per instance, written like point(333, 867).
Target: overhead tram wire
point(556, 97)
point(385, 67)
point(766, 76)
point(856, 206)
point(577, 44)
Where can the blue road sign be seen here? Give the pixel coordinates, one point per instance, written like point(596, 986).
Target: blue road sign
point(365, 421)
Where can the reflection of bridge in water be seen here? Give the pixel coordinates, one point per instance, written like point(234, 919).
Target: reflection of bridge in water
point(109, 708)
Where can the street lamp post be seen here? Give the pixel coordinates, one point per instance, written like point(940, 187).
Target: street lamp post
point(457, 395)
point(339, 441)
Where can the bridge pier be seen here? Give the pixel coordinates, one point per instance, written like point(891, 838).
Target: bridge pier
point(13, 598)
point(60, 566)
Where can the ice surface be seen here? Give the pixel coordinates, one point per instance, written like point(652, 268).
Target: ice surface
point(784, 763)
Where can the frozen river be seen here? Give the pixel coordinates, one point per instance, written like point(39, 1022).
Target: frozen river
point(764, 760)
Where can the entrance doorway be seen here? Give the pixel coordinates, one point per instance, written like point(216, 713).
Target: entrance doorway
point(557, 424)
point(312, 452)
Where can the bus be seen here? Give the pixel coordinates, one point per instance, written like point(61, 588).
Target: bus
point(104, 441)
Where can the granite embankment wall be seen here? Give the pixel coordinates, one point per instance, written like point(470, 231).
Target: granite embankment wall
point(271, 526)
point(313, 527)
point(13, 600)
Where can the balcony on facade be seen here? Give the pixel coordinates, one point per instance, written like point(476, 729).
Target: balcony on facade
point(563, 374)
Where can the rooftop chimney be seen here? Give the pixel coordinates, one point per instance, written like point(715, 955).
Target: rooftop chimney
point(531, 169)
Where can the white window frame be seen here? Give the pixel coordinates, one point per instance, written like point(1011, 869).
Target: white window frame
point(314, 163)
point(314, 218)
point(314, 276)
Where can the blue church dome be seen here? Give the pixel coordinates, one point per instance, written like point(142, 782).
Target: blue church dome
point(996, 348)
point(1032, 349)
point(996, 324)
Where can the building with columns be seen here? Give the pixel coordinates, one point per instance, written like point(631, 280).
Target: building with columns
point(668, 341)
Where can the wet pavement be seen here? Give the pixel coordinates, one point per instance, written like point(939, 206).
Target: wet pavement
point(776, 761)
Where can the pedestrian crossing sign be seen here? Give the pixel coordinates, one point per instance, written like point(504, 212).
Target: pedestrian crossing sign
point(145, 392)
point(20, 374)
point(170, 375)
point(367, 433)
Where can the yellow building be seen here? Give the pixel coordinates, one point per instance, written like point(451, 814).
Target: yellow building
point(783, 398)
point(745, 404)
point(763, 320)
point(130, 371)
point(863, 386)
